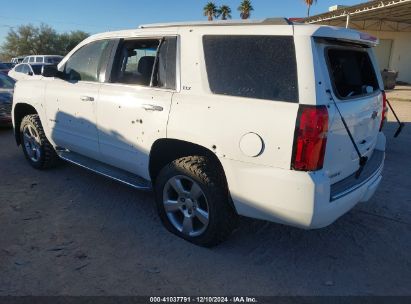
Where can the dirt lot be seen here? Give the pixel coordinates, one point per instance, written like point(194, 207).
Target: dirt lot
point(70, 232)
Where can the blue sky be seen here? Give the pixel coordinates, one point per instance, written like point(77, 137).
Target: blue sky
point(95, 16)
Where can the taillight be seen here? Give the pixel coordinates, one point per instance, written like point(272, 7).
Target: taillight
point(384, 109)
point(310, 138)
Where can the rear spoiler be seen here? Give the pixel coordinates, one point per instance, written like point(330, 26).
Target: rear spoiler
point(346, 35)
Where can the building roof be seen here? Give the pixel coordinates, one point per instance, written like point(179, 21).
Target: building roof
point(382, 15)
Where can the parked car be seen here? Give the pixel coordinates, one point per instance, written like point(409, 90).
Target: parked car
point(17, 60)
point(270, 120)
point(5, 67)
point(24, 71)
point(52, 59)
point(6, 99)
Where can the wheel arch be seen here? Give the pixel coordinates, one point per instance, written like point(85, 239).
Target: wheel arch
point(20, 111)
point(165, 150)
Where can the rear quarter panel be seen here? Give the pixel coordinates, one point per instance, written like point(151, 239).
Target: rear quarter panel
point(218, 122)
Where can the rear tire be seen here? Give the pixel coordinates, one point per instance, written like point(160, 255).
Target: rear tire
point(193, 201)
point(36, 147)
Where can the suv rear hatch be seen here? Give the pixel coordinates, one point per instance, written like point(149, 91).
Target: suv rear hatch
point(349, 72)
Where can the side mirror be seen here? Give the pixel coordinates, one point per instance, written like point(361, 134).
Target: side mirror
point(49, 71)
point(30, 73)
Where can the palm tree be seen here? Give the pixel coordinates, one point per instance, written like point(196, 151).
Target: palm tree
point(309, 4)
point(245, 9)
point(224, 11)
point(210, 10)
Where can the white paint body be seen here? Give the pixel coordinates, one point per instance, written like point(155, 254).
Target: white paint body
point(261, 184)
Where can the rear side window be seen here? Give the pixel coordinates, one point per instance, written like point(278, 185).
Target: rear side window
point(352, 73)
point(262, 67)
point(39, 59)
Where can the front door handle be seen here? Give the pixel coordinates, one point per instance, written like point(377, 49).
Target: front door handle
point(151, 107)
point(87, 98)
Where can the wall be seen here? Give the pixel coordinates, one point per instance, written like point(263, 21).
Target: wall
point(400, 53)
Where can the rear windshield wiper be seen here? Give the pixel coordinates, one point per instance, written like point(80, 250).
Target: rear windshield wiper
point(362, 159)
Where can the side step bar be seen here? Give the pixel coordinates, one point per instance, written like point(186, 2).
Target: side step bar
point(98, 167)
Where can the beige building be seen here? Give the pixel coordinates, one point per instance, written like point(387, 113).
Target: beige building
point(389, 20)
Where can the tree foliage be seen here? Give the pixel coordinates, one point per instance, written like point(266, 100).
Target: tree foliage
point(224, 11)
point(309, 3)
point(210, 10)
point(245, 9)
point(32, 40)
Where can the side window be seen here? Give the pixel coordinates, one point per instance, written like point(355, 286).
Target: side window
point(39, 59)
point(19, 68)
point(85, 64)
point(31, 59)
point(26, 59)
point(146, 62)
point(135, 61)
point(251, 66)
point(25, 69)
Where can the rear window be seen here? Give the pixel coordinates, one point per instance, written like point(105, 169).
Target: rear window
point(262, 67)
point(352, 73)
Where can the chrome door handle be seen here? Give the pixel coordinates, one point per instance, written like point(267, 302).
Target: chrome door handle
point(151, 107)
point(87, 98)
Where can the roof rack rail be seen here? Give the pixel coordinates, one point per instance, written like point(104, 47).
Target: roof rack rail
point(268, 21)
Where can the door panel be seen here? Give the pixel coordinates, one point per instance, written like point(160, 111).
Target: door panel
point(71, 115)
point(71, 100)
point(130, 120)
point(132, 112)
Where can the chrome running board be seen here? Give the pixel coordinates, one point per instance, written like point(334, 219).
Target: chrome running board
point(98, 167)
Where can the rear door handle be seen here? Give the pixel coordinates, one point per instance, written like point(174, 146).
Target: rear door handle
point(87, 98)
point(151, 107)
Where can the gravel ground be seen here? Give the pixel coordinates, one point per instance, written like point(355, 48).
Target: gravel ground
point(67, 231)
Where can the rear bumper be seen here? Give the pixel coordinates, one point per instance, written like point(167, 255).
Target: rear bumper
point(301, 199)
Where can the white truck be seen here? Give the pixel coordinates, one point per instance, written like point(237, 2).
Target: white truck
point(265, 119)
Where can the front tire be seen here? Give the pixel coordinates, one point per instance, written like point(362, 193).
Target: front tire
point(36, 147)
point(193, 201)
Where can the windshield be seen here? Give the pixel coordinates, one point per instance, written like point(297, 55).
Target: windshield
point(6, 82)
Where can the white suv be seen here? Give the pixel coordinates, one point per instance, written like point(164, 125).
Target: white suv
point(270, 120)
point(52, 59)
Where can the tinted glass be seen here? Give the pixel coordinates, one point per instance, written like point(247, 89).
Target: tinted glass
point(85, 63)
point(19, 68)
point(37, 69)
point(39, 59)
point(262, 67)
point(352, 72)
point(166, 68)
point(54, 60)
point(25, 69)
point(31, 59)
